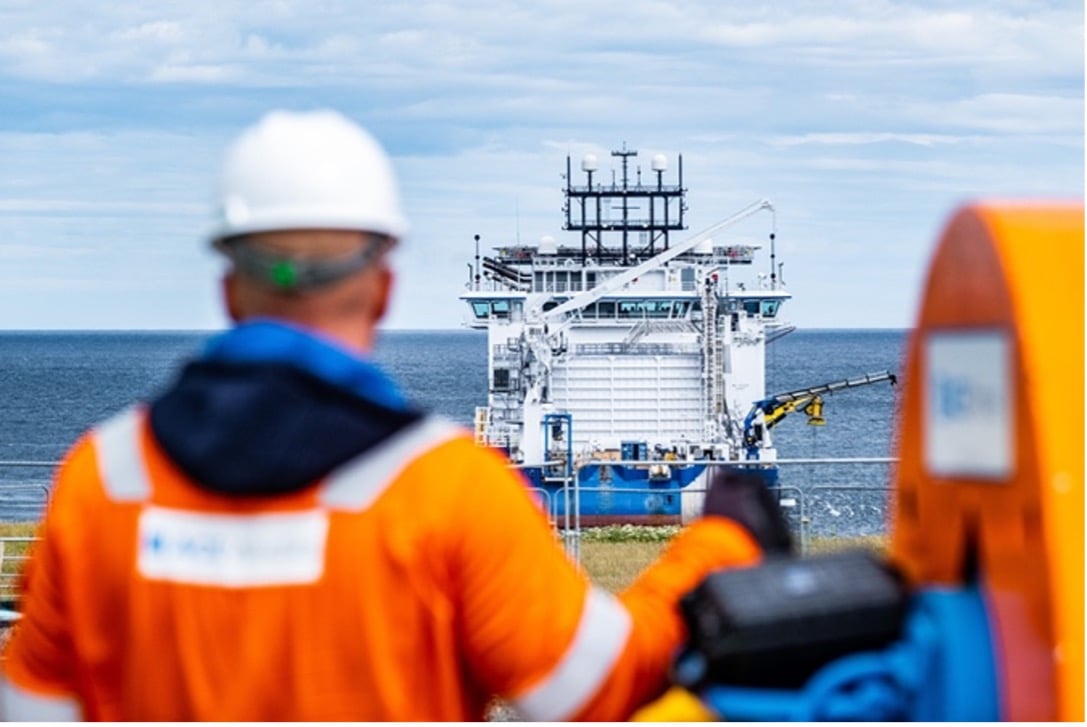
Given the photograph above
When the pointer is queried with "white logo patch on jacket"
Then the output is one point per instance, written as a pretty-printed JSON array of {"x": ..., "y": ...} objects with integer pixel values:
[{"x": 232, "y": 551}]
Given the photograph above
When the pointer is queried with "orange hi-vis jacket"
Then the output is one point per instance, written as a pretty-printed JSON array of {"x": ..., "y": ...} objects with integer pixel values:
[{"x": 413, "y": 583}]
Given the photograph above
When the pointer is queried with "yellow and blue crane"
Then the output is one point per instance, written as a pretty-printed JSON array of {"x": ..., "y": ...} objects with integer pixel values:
[{"x": 810, "y": 401}]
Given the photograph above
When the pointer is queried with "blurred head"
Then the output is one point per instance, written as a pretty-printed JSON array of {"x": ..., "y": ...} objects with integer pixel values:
[{"x": 308, "y": 210}]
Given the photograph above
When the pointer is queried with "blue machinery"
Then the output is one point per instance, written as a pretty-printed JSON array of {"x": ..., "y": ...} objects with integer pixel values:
[{"x": 919, "y": 673}]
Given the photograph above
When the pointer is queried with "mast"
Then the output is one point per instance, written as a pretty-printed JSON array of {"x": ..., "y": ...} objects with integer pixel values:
[{"x": 657, "y": 208}]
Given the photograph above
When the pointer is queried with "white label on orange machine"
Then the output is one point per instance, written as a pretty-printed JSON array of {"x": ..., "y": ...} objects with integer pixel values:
[{"x": 969, "y": 405}]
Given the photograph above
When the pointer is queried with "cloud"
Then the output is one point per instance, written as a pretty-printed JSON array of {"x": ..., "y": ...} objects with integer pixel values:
[
  {"x": 555, "y": 37},
  {"x": 865, "y": 137},
  {"x": 1013, "y": 113},
  {"x": 11, "y": 252},
  {"x": 865, "y": 120},
  {"x": 26, "y": 206},
  {"x": 182, "y": 72},
  {"x": 163, "y": 32}
]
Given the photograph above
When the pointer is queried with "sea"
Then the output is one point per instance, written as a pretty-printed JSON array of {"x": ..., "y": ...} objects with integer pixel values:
[{"x": 54, "y": 385}]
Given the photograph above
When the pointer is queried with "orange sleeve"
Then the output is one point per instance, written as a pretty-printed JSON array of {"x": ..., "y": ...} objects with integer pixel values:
[
  {"x": 640, "y": 675},
  {"x": 531, "y": 621},
  {"x": 39, "y": 656},
  {"x": 520, "y": 597}
]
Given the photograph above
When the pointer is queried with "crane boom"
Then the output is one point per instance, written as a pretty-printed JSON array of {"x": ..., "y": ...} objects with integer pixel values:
[
  {"x": 777, "y": 407},
  {"x": 873, "y": 378}
]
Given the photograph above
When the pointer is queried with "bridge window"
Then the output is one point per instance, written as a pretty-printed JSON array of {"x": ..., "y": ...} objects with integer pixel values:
[
  {"x": 553, "y": 303},
  {"x": 767, "y": 308},
  {"x": 658, "y": 308},
  {"x": 483, "y": 309},
  {"x": 650, "y": 308}
]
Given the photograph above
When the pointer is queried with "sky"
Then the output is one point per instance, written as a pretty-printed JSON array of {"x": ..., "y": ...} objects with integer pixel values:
[{"x": 865, "y": 122}]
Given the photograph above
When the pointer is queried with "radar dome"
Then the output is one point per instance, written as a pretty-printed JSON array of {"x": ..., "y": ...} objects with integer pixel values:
[
  {"x": 660, "y": 163},
  {"x": 547, "y": 246},
  {"x": 588, "y": 163}
]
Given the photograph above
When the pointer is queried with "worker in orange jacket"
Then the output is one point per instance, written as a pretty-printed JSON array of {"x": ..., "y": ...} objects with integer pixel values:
[{"x": 281, "y": 536}]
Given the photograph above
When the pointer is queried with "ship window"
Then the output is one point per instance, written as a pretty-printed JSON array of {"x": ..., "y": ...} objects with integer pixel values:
[
  {"x": 770, "y": 308},
  {"x": 481, "y": 308},
  {"x": 686, "y": 277},
  {"x": 606, "y": 309},
  {"x": 658, "y": 308},
  {"x": 589, "y": 311},
  {"x": 500, "y": 308},
  {"x": 680, "y": 309},
  {"x": 501, "y": 379},
  {"x": 590, "y": 280},
  {"x": 538, "y": 280},
  {"x": 751, "y": 307},
  {"x": 630, "y": 309},
  {"x": 554, "y": 303}
]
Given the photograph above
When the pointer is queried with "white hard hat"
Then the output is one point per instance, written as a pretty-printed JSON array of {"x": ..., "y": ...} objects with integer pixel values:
[{"x": 311, "y": 170}]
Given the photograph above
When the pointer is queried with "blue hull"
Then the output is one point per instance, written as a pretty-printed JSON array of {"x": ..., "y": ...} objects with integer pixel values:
[{"x": 622, "y": 493}]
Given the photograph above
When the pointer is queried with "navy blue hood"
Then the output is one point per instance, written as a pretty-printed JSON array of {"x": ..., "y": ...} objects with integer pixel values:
[{"x": 269, "y": 409}]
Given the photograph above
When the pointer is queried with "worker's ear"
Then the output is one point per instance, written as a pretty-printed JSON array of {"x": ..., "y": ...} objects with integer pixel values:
[
  {"x": 231, "y": 295},
  {"x": 383, "y": 288}
]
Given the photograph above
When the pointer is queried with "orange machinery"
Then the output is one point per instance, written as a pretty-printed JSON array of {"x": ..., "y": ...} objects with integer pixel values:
[
  {"x": 987, "y": 545},
  {"x": 990, "y": 472}
]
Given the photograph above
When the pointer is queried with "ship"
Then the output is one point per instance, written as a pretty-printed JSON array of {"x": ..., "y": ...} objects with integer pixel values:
[{"x": 624, "y": 364}]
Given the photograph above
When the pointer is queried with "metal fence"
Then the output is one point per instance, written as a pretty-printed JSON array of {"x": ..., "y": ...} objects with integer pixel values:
[
  {"x": 15, "y": 546},
  {"x": 822, "y": 498}
]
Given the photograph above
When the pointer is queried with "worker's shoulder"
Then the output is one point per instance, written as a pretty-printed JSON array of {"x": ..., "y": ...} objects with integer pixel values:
[
  {"x": 77, "y": 492},
  {"x": 445, "y": 457},
  {"x": 441, "y": 442},
  {"x": 432, "y": 433}
]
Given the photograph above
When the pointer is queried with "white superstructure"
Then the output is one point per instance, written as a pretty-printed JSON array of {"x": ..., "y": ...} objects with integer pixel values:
[{"x": 628, "y": 338}]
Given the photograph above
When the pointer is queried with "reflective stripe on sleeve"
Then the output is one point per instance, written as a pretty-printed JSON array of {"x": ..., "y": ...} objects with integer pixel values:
[
  {"x": 120, "y": 462},
  {"x": 600, "y": 639},
  {"x": 19, "y": 705},
  {"x": 356, "y": 484}
]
